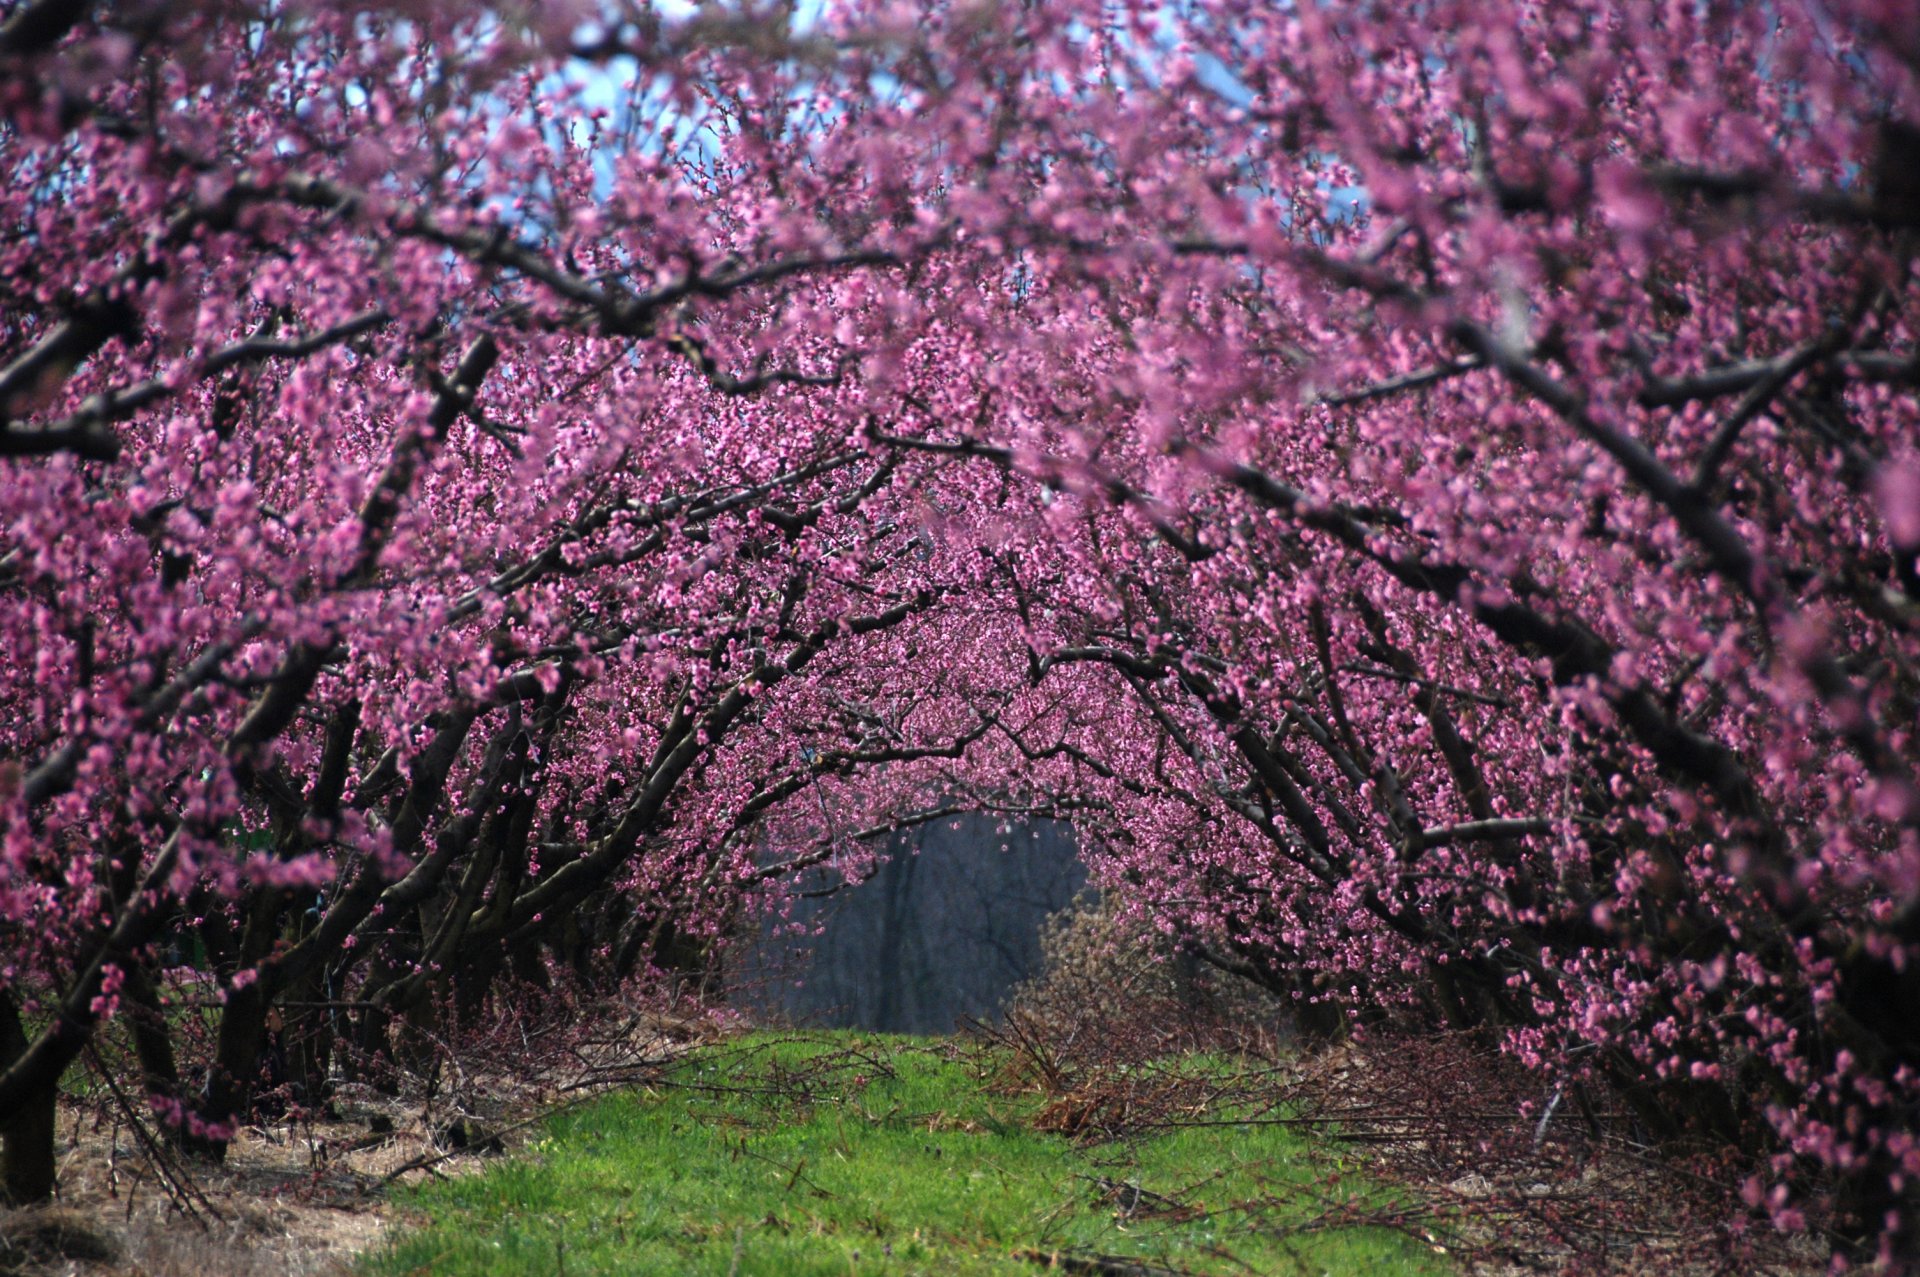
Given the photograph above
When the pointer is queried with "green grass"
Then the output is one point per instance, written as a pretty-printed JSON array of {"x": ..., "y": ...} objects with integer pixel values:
[{"x": 844, "y": 1155}]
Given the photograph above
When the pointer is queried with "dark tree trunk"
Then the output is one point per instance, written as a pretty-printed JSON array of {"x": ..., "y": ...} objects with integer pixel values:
[
  {"x": 243, "y": 1029},
  {"x": 26, "y": 1134},
  {"x": 236, "y": 1059},
  {"x": 152, "y": 1042}
]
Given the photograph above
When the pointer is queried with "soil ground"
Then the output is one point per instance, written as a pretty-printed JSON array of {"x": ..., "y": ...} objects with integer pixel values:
[{"x": 302, "y": 1198}]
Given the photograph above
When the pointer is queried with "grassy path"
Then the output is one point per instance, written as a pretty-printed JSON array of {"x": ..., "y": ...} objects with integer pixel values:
[{"x": 844, "y": 1155}]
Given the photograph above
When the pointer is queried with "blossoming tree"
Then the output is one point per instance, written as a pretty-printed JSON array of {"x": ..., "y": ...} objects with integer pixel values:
[{"x": 1433, "y": 489}]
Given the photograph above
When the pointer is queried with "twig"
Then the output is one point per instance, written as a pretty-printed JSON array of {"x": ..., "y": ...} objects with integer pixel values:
[
  {"x": 427, "y": 1161},
  {"x": 179, "y": 1185}
]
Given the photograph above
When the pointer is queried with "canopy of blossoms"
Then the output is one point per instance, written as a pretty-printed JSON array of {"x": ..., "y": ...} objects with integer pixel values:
[{"x": 1431, "y": 490}]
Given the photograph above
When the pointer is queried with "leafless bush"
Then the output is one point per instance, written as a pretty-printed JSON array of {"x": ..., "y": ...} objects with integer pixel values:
[{"x": 1111, "y": 988}]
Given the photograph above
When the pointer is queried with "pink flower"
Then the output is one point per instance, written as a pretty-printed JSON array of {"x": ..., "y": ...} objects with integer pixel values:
[
  {"x": 1897, "y": 486},
  {"x": 1626, "y": 198}
]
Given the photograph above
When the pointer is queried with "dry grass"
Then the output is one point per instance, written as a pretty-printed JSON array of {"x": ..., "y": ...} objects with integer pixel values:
[
  {"x": 1577, "y": 1192},
  {"x": 307, "y": 1197}
]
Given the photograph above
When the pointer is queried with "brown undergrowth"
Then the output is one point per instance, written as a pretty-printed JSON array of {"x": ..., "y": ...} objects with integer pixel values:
[
  {"x": 1506, "y": 1175},
  {"x": 1456, "y": 1133},
  {"x": 306, "y": 1193},
  {"x": 1526, "y": 1178}
]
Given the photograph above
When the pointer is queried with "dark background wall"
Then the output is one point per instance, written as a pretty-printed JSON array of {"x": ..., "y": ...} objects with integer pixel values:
[{"x": 945, "y": 928}]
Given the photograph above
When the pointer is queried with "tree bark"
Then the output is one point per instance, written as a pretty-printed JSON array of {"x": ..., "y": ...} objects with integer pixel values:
[{"x": 26, "y": 1133}]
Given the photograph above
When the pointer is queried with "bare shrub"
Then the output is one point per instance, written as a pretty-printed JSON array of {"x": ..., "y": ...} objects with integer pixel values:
[{"x": 1112, "y": 988}]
